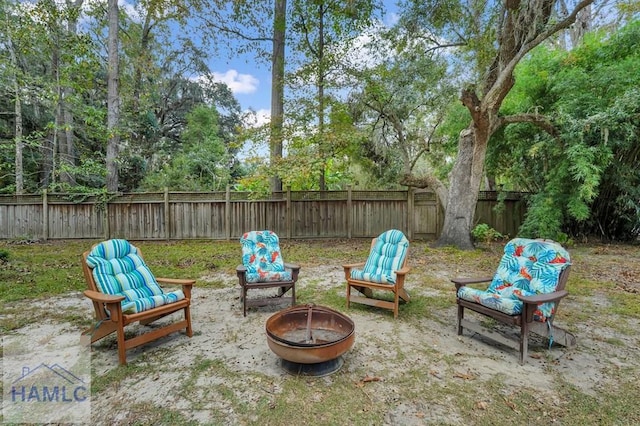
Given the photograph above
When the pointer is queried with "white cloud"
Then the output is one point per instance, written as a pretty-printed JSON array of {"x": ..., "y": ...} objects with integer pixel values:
[
  {"x": 257, "y": 118},
  {"x": 263, "y": 116},
  {"x": 238, "y": 83}
]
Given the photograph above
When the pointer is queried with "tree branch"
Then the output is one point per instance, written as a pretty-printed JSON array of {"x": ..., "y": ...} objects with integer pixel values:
[
  {"x": 427, "y": 181},
  {"x": 470, "y": 100},
  {"x": 500, "y": 88},
  {"x": 537, "y": 119},
  {"x": 236, "y": 32}
]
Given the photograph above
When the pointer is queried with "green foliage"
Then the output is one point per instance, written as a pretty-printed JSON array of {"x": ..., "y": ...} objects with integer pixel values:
[
  {"x": 402, "y": 103},
  {"x": 202, "y": 165},
  {"x": 586, "y": 177},
  {"x": 486, "y": 234},
  {"x": 4, "y": 255}
]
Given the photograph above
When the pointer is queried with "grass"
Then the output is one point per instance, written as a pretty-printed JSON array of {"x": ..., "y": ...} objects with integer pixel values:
[{"x": 600, "y": 286}]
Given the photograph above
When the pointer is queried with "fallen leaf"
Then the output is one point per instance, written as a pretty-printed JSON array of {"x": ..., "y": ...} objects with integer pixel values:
[
  {"x": 368, "y": 379},
  {"x": 511, "y": 405},
  {"x": 482, "y": 405},
  {"x": 464, "y": 376}
]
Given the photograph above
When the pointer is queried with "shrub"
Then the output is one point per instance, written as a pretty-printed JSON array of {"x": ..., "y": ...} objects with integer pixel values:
[{"x": 484, "y": 233}]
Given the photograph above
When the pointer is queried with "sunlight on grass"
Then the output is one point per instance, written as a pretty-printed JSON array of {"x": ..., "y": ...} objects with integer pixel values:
[
  {"x": 626, "y": 304},
  {"x": 419, "y": 383}
]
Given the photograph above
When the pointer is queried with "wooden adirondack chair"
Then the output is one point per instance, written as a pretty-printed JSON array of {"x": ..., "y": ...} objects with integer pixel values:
[
  {"x": 525, "y": 292},
  {"x": 384, "y": 270},
  {"x": 124, "y": 291},
  {"x": 263, "y": 267}
]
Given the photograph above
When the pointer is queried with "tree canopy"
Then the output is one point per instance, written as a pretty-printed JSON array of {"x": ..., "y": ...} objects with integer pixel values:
[{"x": 458, "y": 96}]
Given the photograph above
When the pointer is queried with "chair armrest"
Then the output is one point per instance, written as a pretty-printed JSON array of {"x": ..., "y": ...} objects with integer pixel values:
[
  {"x": 461, "y": 282},
  {"x": 96, "y": 296},
  {"x": 185, "y": 283},
  {"x": 292, "y": 266},
  {"x": 295, "y": 270},
  {"x": 348, "y": 267},
  {"x": 111, "y": 303},
  {"x": 176, "y": 281},
  {"x": 543, "y": 298},
  {"x": 403, "y": 271}
]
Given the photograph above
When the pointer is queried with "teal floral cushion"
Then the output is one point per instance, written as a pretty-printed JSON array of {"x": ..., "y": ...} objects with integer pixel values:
[
  {"x": 118, "y": 270},
  {"x": 386, "y": 256},
  {"x": 262, "y": 258},
  {"x": 527, "y": 268}
]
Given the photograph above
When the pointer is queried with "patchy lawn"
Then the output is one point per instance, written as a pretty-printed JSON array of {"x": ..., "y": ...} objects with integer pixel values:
[{"x": 411, "y": 371}]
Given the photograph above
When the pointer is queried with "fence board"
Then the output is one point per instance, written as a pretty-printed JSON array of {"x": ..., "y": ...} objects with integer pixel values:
[{"x": 223, "y": 215}]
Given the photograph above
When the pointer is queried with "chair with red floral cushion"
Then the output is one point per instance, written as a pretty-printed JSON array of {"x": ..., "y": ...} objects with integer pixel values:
[
  {"x": 263, "y": 267},
  {"x": 525, "y": 292}
]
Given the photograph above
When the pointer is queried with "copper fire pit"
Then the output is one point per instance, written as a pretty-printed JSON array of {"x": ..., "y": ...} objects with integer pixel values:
[{"x": 310, "y": 339}]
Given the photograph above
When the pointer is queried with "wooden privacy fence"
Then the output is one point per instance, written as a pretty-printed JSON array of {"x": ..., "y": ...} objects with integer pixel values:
[{"x": 227, "y": 215}]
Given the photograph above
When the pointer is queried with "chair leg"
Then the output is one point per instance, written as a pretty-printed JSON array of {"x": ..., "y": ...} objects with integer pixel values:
[
  {"x": 187, "y": 316},
  {"x": 122, "y": 352},
  {"x": 524, "y": 341},
  {"x": 460, "y": 318},
  {"x": 293, "y": 294},
  {"x": 243, "y": 299},
  {"x": 348, "y": 295},
  {"x": 396, "y": 302}
]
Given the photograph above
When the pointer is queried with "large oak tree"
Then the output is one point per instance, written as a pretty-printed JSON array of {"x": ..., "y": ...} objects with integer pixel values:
[{"x": 496, "y": 35}]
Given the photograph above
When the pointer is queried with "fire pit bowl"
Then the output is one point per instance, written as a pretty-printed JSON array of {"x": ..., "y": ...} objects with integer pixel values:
[{"x": 309, "y": 334}]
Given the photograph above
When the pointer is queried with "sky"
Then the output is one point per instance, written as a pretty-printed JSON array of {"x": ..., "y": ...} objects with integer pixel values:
[{"x": 250, "y": 80}]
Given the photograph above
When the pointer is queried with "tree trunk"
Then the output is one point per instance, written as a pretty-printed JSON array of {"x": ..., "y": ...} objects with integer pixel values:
[
  {"x": 277, "y": 88},
  {"x": 525, "y": 25},
  {"x": 18, "y": 117},
  {"x": 465, "y": 179},
  {"x": 113, "y": 101},
  {"x": 322, "y": 185},
  {"x": 66, "y": 135}
]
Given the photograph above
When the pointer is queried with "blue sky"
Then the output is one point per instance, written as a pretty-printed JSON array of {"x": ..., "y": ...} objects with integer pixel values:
[{"x": 250, "y": 80}]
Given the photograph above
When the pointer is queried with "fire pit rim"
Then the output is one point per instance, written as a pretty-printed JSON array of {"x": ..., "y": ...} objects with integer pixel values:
[{"x": 302, "y": 308}]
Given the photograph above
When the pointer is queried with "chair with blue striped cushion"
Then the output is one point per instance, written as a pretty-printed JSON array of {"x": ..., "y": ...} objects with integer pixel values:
[
  {"x": 525, "y": 291},
  {"x": 385, "y": 270},
  {"x": 263, "y": 267},
  {"x": 123, "y": 291}
]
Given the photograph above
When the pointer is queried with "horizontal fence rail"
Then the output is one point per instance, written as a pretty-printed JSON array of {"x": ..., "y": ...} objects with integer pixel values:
[{"x": 227, "y": 215}]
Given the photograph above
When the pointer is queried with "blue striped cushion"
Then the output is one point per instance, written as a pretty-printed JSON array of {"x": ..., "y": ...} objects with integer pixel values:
[
  {"x": 386, "y": 256},
  {"x": 118, "y": 270}
]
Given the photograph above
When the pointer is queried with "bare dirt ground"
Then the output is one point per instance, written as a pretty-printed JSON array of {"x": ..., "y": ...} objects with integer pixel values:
[{"x": 167, "y": 372}]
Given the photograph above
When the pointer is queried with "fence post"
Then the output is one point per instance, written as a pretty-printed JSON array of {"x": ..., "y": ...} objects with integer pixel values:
[
  {"x": 227, "y": 213},
  {"x": 167, "y": 215},
  {"x": 45, "y": 216},
  {"x": 349, "y": 206}
]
